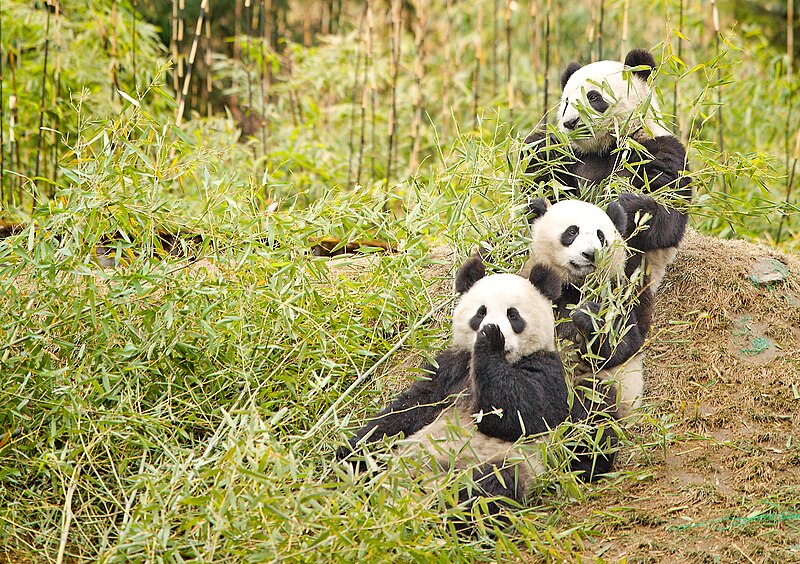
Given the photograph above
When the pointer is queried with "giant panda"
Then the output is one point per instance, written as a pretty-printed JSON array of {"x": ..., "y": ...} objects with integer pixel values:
[
  {"x": 611, "y": 119},
  {"x": 501, "y": 379},
  {"x": 583, "y": 245}
]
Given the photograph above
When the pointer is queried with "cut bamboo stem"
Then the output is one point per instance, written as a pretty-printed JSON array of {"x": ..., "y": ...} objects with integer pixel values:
[
  {"x": 185, "y": 91},
  {"x": 34, "y": 189}
]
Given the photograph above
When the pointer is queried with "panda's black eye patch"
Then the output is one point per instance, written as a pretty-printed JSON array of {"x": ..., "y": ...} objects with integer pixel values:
[
  {"x": 477, "y": 319},
  {"x": 596, "y": 101},
  {"x": 569, "y": 235},
  {"x": 601, "y": 237},
  {"x": 517, "y": 323}
]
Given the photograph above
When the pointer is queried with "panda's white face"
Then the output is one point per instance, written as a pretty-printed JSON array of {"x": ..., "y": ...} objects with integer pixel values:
[
  {"x": 601, "y": 102},
  {"x": 574, "y": 238},
  {"x": 523, "y": 314}
]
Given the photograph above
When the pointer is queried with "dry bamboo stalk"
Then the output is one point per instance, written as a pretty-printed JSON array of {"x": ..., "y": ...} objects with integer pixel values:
[
  {"x": 535, "y": 33},
  {"x": 364, "y": 89},
  {"x": 599, "y": 30},
  {"x": 715, "y": 19},
  {"x": 495, "y": 34},
  {"x": 676, "y": 122},
  {"x": 421, "y": 30},
  {"x": 262, "y": 26},
  {"x": 193, "y": 53},
  {"x": 173, "y": 47},
  {"x": 624, "y": 41},
  {"x": 181, "y": 25},
  {"x": 3, "y": 199},
  {"x": 307, "y": 27},
  {"x": 54, "y": 137},
  {"x": 789, "y": 39},
  {"x": 446, "y": 70},
  {"x": 14, "y": 147},
  {"x": 113, "y": 50},
  {"x": 476, "y": 78},
  {"x": 207, "y": 60},
  {"x": 356, "y": 75},
  {"x": 509, "y": 77},
  {"x": 134, "y": 6},
  {"x": 237, "y": 29},
  {"x": 34, "y": 190},
  {"x": 547, "y": 58},
  {"x": 395, "y": 60},
  {"x": 247, "y": 61}
]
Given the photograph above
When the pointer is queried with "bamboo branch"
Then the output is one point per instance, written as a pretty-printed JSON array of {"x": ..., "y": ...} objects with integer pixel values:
[{"x": 184, "y": 93}]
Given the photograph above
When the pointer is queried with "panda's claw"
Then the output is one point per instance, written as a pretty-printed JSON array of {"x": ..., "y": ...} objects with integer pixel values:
[{"x": 490, "y": 338}]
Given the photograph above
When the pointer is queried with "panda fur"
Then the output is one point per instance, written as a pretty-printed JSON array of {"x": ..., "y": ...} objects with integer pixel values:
[
  {"x": 602, "y": 105},
  {"x": 575, "y": 239},
  {"x": 501, "y": 379}
]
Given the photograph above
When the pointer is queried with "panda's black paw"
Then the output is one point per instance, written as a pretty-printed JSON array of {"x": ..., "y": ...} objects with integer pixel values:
[
  {"x": 583, "y": 317},
  {"x": 490, "y": 338},
  {"x": 347, "y": 453},
  {"x": 636, "y": 202}
]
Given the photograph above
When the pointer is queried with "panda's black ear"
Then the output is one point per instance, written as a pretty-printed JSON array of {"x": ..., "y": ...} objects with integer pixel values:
[
  {"x": 618, "y": 217},
  {"x": 568, "y": 72},
  {"x": 536, "y": 209},
  {"x": 546, "y": 281},
  {"x": 640, "y": 57},
  {"x": 469, "y": 273}
]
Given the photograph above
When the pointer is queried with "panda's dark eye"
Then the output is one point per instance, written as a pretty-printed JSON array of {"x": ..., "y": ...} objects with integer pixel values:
[
  {"x": 601, "y": 236},
  {"x": 593, "y": 96},
  {"x": 515, "y": 319},
  {"x": 569, "y": 234},
  {"x": 477, "y": 319},
  {"x": 596, "y": 101}
]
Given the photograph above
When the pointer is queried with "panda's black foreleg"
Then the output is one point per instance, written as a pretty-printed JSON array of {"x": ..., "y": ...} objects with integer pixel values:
[
  {"x": 528, "y": 400},
  {"x": 549, "y": 159},
  {"x": 495, "y": 482},
  {"x": 418, "y": 405},
  {"x": 664, "y": 228},
  {"x": 594, "y": 453},
  {"x": 630, "y": 336}
]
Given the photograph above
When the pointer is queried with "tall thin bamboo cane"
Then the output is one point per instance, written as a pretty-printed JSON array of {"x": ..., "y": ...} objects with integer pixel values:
[
  {"x": 356, "y": 76},
  {"x": 476, "y": 78},
  {"x": 715, "y": 19},
  {"x": 419, "y": 74},
  {"x": 446, "y": 69},
  {"x": 676, "y": 121},
  {"x": 187, "y": 78},
  {"x": 395, "y": 59},
  {"x": 364, "y": 89},
  {"x": 3, "y": 199},
  {"x": 34, "y": 190},
  {"x": 792, "y": 92},
  {"x": 600, "y": 30},
  {"x": 624, "y": 40},
  {"x": 134, "y": 7},
  {"x": 547, "y": 58},
  {"x": 509, "y": 77}
]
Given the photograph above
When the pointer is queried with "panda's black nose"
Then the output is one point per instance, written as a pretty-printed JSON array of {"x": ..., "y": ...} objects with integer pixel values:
[
  {"x": 571, "y": 124},
  {"x": 588, "y": 255}
]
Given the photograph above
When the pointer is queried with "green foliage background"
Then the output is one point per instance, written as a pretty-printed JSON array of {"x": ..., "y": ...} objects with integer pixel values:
[{"x": 187, "y": 407}]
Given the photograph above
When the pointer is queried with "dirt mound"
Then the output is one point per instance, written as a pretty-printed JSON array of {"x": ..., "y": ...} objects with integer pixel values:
[{"x": 723, "y": 380}]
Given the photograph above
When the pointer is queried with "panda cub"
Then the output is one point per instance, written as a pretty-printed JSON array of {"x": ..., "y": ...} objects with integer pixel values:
[
  {"x": 576, "y": 240},
  {"x": 603, "y": 105},
  {"x": 500, "y": 379}
]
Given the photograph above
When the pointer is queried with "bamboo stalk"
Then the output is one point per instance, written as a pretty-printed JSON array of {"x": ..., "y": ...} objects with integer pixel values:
[
  {"x": 495, "y": 34},
  {"x": 364, "y": 89},
  {"x": 599, "y": 30},
  {"x": 535, "y": 33},
  {"x": 173, "y": 48},
  {"x": 715, "y": 19},
  {"x": 547, "y": 58},
  {"x": 419, "y": 74},
  {"x": 792, "y": 92},
  {"x": 3, "y": 199},
  {"x": 185, "y": 91},
  {"x": 57, "y": 85},
  {"x": 395, "y": 60},
  {"x": 14, "y": 148},
  {"x": 676, "y": 124},
  {"x": 207, "y": 60},
  {"x": 624, "y": 41},
  {"x": 134, "y": 6},
  {"x": 476, "y": 78},
  {"x": 113, "y": 50},
  {"x": 356, "y": 75},
  {"x": 509, "y": 77},
  {"x": 789, "y": 39},
  {"x": 34, "y": 190},
  {"x": 446, "y": 69}
]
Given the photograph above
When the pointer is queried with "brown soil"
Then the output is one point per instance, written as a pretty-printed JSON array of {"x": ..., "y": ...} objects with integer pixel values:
[{"x": 723, "y": 380}]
